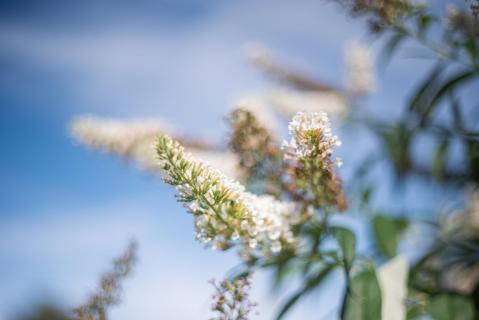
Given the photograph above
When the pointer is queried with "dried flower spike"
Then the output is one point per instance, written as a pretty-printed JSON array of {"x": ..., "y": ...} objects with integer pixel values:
[
  {"x": 231, "y": 299},
  {"x": 109, "y": 291},
  {"x": 257, "y": 150}
]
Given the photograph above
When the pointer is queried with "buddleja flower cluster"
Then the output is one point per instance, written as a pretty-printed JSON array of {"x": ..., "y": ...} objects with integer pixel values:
[
  {"x": 225, "y": 214},
  {"x": 311, "y": 136},
  {"x": 310, "y": 153}
]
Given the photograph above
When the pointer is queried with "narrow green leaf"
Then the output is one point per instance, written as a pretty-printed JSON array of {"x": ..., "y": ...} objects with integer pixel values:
[
  {"x": 424, "y": 87},
  {"x": 423, "y": 23},
  {"x": 415, "y": 312},
  {"x": 387, "y": 231},
  {"x": 439, "y": 160},
  {"x": 456, "y": 113},
  {"x": 390, "y": 47},
  {"x": 347, "y": 242},
  {"x": 448, "y": 86},
  {"x": 471, "y": 49},
  {"x": 366, "y": 194},
  {"x": 308, "y": 286},
  {"x": 363, "y": 299},
  {"x": 451, "y": 307}
]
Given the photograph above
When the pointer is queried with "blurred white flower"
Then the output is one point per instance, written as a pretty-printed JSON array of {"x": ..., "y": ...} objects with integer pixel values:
[
  {"x": 116, "y": 136},
  {"x": 360, "y": 67},
  {"x": 290, "y": 102},
  {"x": 135, "y": 139}
]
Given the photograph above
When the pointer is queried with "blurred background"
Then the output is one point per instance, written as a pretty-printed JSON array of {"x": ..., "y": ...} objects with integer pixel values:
[{"x": 65, "y": 212}]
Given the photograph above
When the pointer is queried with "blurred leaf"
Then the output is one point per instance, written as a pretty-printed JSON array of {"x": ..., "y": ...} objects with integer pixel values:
[
  {"x": 363, "y": 298},
  {"x": 423, "y": 23},
  {"x": 397, "y": 141},
  {"x": 367, "y": 164},
  {"x": 415, "y": 312},
  {"x": 424, "y": 87},
  {"x": 283, "y": 270},
  {"x": 347, "y": 243},
  {"x": 439, "y": 161},
  {"x": 366, "y": 193},
  {"x": 473, "y": 157},
  {"x": 314, "y": 229},
  {"x": 449, "y": 85},
  {"x": 308, "y": 286},
  {"x": 456, "y": 113},
  {"x": 45, "y": 311},
  {"x": 471, "y": 49},
  {"x": 450, "y": 307},
  {"x": 387, "y": 231},
  {"x": 391, "y": 46}
]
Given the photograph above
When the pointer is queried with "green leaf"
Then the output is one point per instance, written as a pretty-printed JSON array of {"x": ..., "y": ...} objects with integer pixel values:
[
  {"x": 415, "y": 312},
  {"x": 309, "y": 285},
  {"x": 456, "y": 113},
  {"x": 423, "y": 23},
  {"x": 439, "y": 161},
  {"x": 363, "y": 298},
  {"x": 391, "y": 46},
  {"x": 472, "y": 146},
  {"x": 387, "y": 231},
  {"x": 446, "y": 87},
  {"x": 397, "y": 140},
  {"x": 423, "y": 89},
  {"x": 347, "y": 243},
  {"x": 471, "y": 49},
  {"x": 283, "y": 270},
  {"x": 451, "y": 307},
  {"x": 366, "y": 193}
]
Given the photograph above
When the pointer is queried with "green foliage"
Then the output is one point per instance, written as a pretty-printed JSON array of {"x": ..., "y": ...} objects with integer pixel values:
[
  {"x": 311, "y": 283},
  {"x": 439, "y": 161},
  {"x": 45, "y": 311},
  {"x": 347, "y": 242},
  {"x": 363, "y": 297},
  {"x": 450, "y": 307},
  {"x": 387, "y": 231}
]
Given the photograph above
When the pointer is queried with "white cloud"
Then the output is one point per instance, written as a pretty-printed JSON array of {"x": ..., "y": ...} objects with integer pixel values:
[{"x": 145, "y": 69}]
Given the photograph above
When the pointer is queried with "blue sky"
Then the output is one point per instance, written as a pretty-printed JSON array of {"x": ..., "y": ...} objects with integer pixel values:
[{"x": 66, "y": 211}]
